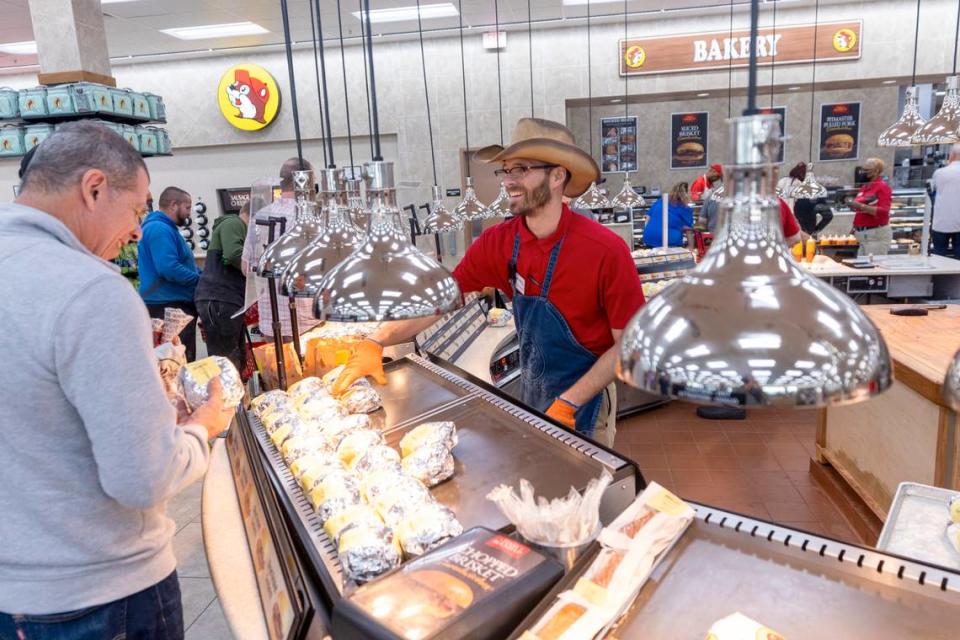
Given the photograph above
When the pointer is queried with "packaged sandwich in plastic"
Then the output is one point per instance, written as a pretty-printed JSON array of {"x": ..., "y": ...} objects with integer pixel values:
[
  {"x": 317, "y": 406},
  {"x": 429, "y": 526},
  {"x": 376, "y": 458},
  {"x": 269, "y": 401},
  {"x": 570, "y": 618},
  {"x": 366, "y": 552},
  {"x": 311, "y": 469},
  {"x": 361, "y": 400},
  {"x": 655, "y": 518},
  {"x": 431, "y": 465},
  {"x": 305, "y": 387},
  {"x": 336, "y": 429},
  {"x": 195, "y": 376},
  {"x": 739, "y": 627},
  {"x": 402, "y": 500},
  {"x": 360, "y": 515},
  {"x": 337, "y": 491},
  {"x": 356, "y": 443},
  {"x": 302, "y": 446},
  {"x": 429, "y": 433}
]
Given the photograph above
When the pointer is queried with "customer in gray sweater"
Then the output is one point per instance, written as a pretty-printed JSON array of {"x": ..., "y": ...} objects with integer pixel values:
[{"x": 90, "y": 447}]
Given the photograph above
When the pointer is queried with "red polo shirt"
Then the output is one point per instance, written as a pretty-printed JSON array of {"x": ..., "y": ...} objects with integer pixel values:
[
  {"x": 881, "y": 191},
  {"x": 595, "y": 285},
  {"x": 787, "y": 220}
]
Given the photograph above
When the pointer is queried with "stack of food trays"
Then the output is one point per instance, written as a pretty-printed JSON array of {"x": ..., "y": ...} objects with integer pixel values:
[
  {"x": 374, "y": 503},
  {"x": 663, "y": 264}
]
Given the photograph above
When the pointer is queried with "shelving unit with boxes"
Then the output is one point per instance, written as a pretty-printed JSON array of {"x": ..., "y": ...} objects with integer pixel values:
[{"x": 29, "y": 116}]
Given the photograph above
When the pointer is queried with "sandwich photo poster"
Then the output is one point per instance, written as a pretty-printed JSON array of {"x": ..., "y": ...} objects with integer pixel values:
[
  {"x": 618, "y": 144},
  {"x": 688, "y": 140},
  {"x": 839, "y": 131}
]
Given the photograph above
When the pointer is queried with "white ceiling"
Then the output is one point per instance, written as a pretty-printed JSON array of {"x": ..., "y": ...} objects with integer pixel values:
[{"x": 133, "y": 27}]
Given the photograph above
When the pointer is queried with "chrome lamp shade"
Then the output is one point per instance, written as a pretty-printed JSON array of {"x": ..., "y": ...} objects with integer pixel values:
[
  {"x": 592, "y": 198},
  {"x": 750, "y": 326},
  {"x": 943, "y": 128},
  {"x": 470, "y": 208},
  {"x": 307, "y": 226},
  {"x": 385, "y": 278},
  {"x": 951, "y": 384},
  {"x": 809, "y": 189},
  {"x": 627, "y": 198},
  {"x": 441, "y": 219},
  {"x": 902, "y": 132},
  {"x": 500, "y": 208}
]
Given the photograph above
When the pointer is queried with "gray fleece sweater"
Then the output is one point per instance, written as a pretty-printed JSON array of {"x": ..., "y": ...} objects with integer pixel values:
[{"x": 90, "y": 451}]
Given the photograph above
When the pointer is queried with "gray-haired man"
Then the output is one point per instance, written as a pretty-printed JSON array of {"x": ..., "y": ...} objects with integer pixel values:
[{"x": 91, "y": 448}]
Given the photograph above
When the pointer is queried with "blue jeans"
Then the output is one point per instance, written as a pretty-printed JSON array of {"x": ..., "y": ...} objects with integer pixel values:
[
  {"x": 155, "y": 613},
  {"x": 946, "y": 244}
]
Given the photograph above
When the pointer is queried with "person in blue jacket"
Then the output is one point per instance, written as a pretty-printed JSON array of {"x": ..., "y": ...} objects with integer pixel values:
[
  {"x": 679, "y": 217},
  {"x": 168, "y": 272}
]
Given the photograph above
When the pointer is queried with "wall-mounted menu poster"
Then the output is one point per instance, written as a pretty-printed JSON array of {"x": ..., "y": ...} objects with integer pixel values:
[{"x": 618, "y": 144}]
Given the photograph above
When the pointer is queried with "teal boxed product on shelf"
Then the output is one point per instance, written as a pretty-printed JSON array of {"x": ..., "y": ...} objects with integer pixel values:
[
  {"x": 33, "y": 103},
  {"x": 9, "y": 106},
  {"x": 89, "y": 97},
  {"x": 148, "y": 140},
  {"x": 158, "y": 111},
  {"x": 122, "y": 104},
  {"x": 116, "y": 127},
  {"x": 163, "y": 142},
  {"x": 11, "y": 141},
  {"x": 131, "y": 135},
  {"x": 141, "y": 108},
  {"x": 60, "y": 101},
  {"x": 34, "y": 134}
]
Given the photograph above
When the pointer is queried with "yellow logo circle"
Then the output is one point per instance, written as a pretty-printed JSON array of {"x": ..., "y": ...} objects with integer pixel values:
[
  {"x": 844, "y": 40},
  {"x": 635, "y": 56},
  {"x": 248, "y": 96}
]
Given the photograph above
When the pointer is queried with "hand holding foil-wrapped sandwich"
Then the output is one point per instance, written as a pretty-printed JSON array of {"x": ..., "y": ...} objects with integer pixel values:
[{"x": 212, "y": 390}]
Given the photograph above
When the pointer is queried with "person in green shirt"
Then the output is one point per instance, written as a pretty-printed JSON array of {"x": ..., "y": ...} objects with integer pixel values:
[{"x": 219, "y": 294}]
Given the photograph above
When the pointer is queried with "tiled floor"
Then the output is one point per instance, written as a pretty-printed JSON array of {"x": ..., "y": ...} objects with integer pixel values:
[
  {"x": 758, "y": 466},
  {"x": 202, "y": 617}
]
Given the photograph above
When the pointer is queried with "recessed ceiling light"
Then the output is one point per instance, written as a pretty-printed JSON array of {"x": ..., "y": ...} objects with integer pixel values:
[
  {"x": 399, "y": 14},
  {"x": 703, "y": 95},
  {"x": 21, "y": 48},
  {"x": 889, "y": 82},
  {"x": 793, "y": 89},
  {"x": 216, "y": 31}
]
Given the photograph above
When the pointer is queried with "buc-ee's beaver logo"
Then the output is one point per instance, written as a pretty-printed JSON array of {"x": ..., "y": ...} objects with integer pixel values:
[
  {"x": 635, "y": 56},
  {"x": 844, "y": 40},
  {"x": 249, "y": 97}
]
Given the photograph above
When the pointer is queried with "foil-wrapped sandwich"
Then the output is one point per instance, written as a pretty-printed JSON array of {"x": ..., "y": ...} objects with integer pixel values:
[
  {"x": 306, "y": 386},
  {"x": 366, "y": 552},
  {"x": 360, "y": 515},
  {"x": 194, "y": 377},
  {"x": 270, "y": 400},
  {"x": 317, "y": 406},
  {"x": 337, "y": 491},
  {"x": 276, "y": 416},
  {"x": 330, "y": 379},
  {"x": 362, "y": 399},
  {"x": 356, "y": 443},
  {"x": 310, "y": 470},
  {"x": 297, "y": 447},
  {"x": 427, "y": 527},
  {"x": 401, "y": 500},
  {"x": 336, "y": 429},
  {"x": 376, "y": 458},
  {"x": 427, "y": 434},
  {"x": 430, "y": 465},
  {"x": 374, "y": 484},
  {"x": 287, "y": 426}
]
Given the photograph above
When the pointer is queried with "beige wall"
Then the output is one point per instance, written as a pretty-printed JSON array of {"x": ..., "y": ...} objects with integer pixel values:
[{"x": 210, "y": 153}]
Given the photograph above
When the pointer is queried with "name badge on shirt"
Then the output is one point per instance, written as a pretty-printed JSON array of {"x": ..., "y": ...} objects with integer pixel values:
[{"x": 519, "y": 285}]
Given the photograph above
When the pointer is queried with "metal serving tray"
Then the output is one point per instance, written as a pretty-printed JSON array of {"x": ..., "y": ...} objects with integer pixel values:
[
  {"x": 800, "y": 584},
  {"x": 499, "y": 442},
  {"x": 917, "y": 524}
]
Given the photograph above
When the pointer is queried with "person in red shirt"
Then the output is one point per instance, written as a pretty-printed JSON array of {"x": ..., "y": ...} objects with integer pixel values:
[
  {"x": 871, "y": 224},
  {"x": 573, "y": 282},
  {"x": 792, "y": 233},
  {"x": 707, "y": 181}
]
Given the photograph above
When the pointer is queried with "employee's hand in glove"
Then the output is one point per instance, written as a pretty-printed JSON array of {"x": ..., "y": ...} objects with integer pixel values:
[
  {"x": 213, "y": 414},
  {"x": 366, "y": 360},
  {"x": 562, "y": 411}
]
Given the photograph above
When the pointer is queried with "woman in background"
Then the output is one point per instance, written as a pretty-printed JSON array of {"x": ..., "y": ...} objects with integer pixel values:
[{"x": 679, "y": 218}]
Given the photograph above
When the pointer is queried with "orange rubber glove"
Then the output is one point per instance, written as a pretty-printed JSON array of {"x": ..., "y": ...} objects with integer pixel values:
[
  {"x": 562, "y": 411},
  {"x": 367, "y": 360}
]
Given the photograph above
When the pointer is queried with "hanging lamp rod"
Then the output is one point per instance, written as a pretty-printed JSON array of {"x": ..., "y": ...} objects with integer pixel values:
[
  {"x": 316, "y": 71},
  {"x": 327, "y": 140},
  {"x": 813, "y": 78},
  {"x": 285, "y": 16},
  {"x": 463, "y": 79},
  {"x": 346, "y": 93},
  {"x": 496, "y": 19},
  {"x": 377, "y": 156},
  {"x": 426, "y": 99}
]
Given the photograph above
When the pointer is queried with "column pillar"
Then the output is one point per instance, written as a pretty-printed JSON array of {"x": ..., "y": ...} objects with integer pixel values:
[{"x": 71, "y": 41}]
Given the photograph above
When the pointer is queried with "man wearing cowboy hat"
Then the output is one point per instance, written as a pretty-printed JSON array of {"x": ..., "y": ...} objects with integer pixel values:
[{"x": 573, "y": 282}]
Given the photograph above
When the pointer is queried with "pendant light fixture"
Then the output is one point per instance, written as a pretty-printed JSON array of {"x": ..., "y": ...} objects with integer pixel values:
[
  {"x": 500, "y": 207},
  {"x": 944, "y": 128},
  {"x": 901, "y": 133},
  {"x": 951, "y": 384},
  {"x": 810, "y": 188},
  {"x": 627, "y": 198},
  {"x": 439, "y": 218},
  {"x": 385, "y": 278},
  {"x": 470, "y": 208},
  {"x": 750, "y": 326},
  {"x": 718, "y": 193},
  {"x": 593, "y": 197}
]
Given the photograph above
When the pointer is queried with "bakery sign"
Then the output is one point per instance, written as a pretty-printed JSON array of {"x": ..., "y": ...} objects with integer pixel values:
[{"x": 788, "y": 44}]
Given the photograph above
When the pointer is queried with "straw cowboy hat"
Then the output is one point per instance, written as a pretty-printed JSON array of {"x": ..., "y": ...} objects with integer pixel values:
[{"x": 551, "y": 143}]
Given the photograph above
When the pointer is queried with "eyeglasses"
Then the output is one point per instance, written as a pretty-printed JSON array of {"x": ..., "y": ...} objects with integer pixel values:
[{"x": 519, "y": 173}]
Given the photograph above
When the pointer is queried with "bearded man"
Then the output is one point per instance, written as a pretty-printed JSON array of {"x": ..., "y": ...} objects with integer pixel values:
[{"x": 573, "y": 283}]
